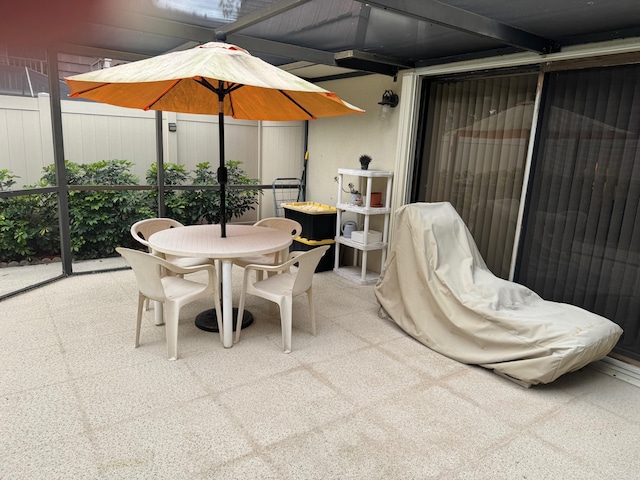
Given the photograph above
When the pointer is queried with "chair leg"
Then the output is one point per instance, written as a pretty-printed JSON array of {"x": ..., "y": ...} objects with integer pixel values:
[
  {"x": 216, "y": 304},
  {"x": 172, "y": 313},
  {"x": 286, "y": 314},
  {"x": 158, "y": 312},
  {"x": 243, "y": 297},
  {"x": 141, "y": 301},
  {"x": 312, "y": 311}
]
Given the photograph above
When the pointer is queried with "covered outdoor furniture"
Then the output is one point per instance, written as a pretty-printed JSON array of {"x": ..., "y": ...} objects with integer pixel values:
[
  {"x": 282, "y": 286},
  {"x": 436, "y": 287},
  {"x": 171, "y": 290}
]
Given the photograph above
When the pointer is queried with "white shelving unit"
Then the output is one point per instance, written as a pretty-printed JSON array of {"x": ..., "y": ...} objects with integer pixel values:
[{"x": 355, "y": 273}]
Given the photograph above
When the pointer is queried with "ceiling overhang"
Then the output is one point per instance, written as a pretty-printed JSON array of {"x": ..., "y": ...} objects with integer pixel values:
[
  {"x": 467, "y": 22},
  {"x": 385, "y": 49}
]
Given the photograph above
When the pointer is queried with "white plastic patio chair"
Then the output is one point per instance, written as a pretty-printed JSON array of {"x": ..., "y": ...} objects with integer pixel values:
[
  {"x": 142, "y": 230},
  {"x": 284, "y": 224},
  {"x": 282, "y": 286},
  {"x": 172, "y": 291}
]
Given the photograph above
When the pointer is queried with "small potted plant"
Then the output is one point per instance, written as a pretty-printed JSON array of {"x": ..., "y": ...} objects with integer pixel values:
[
  {"x": 356, "y": 196},
  {"x": 365, "y": 160}
]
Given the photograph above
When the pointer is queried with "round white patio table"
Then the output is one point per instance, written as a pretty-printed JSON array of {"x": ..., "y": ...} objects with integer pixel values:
[{"x": 205, "y": 241}]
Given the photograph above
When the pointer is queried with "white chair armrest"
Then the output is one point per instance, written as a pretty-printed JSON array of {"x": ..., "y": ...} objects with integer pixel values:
[
  {"x": 184, "y": 270},
  {"x": 270, "y": 268}
]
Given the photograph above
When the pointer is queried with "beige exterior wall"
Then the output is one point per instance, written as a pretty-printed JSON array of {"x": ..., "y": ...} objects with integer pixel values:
[{"x": 338, "y": 142}]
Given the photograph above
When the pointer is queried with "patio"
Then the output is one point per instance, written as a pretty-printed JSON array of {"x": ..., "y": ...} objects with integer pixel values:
[{"x": 360, "y": 400}]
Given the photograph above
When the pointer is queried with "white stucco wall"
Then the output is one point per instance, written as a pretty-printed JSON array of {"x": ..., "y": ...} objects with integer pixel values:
[{"x": 338, "y": 142}]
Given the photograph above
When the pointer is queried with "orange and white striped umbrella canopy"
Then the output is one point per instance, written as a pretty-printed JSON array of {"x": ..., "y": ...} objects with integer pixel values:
[{"x": 188, "y": 81}]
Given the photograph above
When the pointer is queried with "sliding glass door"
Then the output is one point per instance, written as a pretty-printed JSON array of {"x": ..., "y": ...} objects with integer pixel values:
[
  {"x": 581, "y": 241},
  {"x": 580, "y": 238},
  {"x": 476, "y": 135}
]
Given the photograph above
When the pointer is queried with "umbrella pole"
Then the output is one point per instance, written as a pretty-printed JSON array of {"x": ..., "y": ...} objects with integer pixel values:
[{"x": 222, "y": 170}]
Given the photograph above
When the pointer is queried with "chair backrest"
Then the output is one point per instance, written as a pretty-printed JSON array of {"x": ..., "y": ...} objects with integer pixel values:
[
  {"x": 307, "y": 263},
  {"x": 147, "y": 269},
  {"x": 284, "y": 224},
  {"x": 142, "y": 230}
]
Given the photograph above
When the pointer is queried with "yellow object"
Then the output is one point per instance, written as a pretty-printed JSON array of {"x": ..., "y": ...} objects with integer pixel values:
[
  {"x": 312, "y": 208},
  {"x": 315, "y": 243}
]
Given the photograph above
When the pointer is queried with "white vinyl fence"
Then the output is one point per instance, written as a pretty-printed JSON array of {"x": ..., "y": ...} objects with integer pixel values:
[{"x": 94, "y": 131}]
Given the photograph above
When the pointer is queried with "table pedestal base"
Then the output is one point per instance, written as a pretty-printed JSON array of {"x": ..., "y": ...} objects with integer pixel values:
[{"x": 208, "y": 320}]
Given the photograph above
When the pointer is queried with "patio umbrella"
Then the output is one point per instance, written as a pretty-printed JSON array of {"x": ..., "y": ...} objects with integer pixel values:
[{"x": 214, "y": 78}]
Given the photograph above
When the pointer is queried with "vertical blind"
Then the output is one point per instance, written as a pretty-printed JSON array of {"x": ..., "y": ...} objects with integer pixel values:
[
  {"x": 582, "y": 230},
  {"x": 477, "y": 136}
]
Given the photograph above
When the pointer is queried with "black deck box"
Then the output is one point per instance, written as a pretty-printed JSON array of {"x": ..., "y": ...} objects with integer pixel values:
[
  {"x": 327, "y": 260},
  {"x": 318, "y": 221}
]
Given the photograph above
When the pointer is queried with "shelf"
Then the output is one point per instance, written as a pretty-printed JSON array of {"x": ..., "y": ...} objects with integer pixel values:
[
  {"x": 347, "y": 207},
  {"x": 354, "y": 274},
  {"x": 360, "y": 246},
  {"x": 356, "y": 172}
]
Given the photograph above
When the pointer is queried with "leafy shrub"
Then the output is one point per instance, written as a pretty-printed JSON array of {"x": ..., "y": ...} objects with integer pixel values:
[
  {"x": 100, "y": 219},
  {"x": 203, "y": 206},
  {"x": 7, "y": 179},
  {"x": 174, "y": 201},
  {"x": 28, "y": 227}
]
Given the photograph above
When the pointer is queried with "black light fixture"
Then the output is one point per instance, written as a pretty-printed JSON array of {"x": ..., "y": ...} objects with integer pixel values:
[{"x": 389, "y": 99}]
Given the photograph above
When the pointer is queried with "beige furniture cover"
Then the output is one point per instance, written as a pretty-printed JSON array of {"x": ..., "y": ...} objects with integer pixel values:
[{"x": 436, "y": 287}]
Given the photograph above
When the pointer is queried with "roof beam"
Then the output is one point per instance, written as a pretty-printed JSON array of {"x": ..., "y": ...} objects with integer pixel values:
[
  {"x": 353, "y": 59},
  {"x": 159, "y": 26},
  {"x": 86, "y": 51},
  {"x": 261, "y": 15},
  {"x": 465, "y": 21},
  {"x": 282, "y": 50},
  {"x": 155, "y": 25}
]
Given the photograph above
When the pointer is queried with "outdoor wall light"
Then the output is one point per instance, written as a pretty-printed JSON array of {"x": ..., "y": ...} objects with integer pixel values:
[
  {"x": 173, "y": 127},
  {"x": 389, "y": 100}
]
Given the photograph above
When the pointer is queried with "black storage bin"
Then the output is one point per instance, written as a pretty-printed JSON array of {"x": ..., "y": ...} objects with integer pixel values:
[
  {"x": 318, "y": 221},
  {"x": 327, "y": 260}
]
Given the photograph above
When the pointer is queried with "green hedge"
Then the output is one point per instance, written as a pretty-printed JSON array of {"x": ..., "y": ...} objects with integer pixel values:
[{"x": 100, "y": 220}]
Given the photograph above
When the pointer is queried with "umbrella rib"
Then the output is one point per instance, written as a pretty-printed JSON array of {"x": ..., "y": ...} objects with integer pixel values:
[
  {"x": 297, "y": 104},
  {"x": 234, "y": 86},
  {"x": 148, "y": 107},
  {"x": 80, "y": 92},
  {"x": 221, "y": 92}
]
